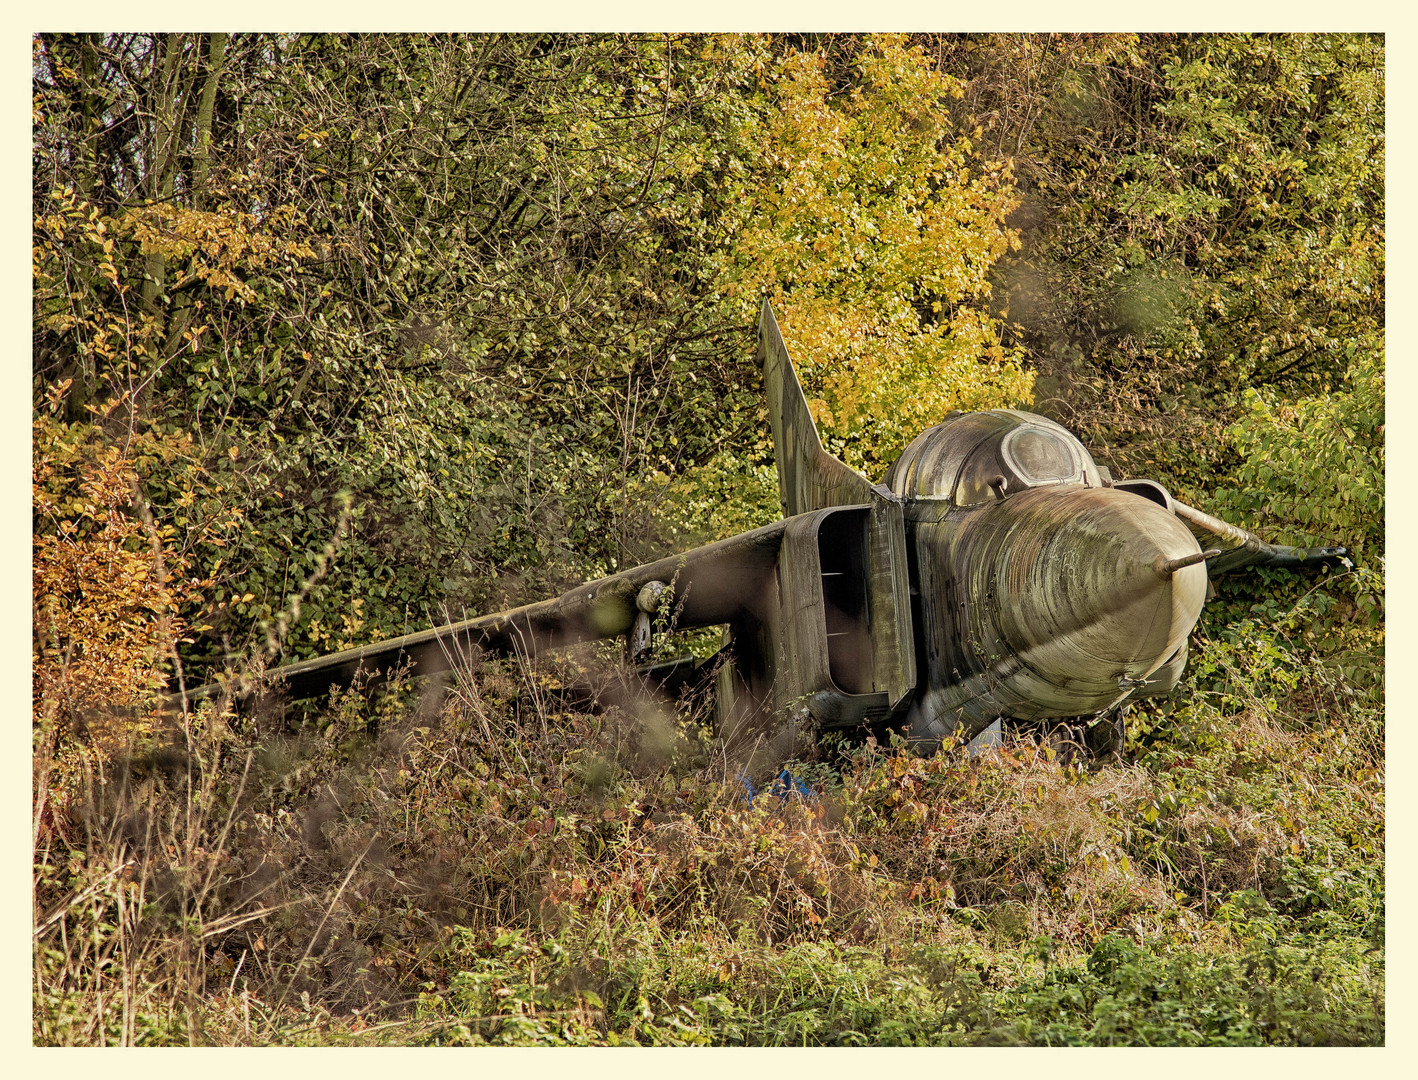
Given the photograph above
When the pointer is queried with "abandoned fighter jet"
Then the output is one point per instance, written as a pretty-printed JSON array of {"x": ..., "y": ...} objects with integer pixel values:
[{"x": 995, "y": 574}]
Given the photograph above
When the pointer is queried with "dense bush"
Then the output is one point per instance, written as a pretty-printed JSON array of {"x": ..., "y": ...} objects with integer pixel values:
[{"x": 531, "y": 864}]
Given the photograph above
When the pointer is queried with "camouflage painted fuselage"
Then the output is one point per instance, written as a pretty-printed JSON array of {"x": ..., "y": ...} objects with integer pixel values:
[{"x": 1043, "y": 591}]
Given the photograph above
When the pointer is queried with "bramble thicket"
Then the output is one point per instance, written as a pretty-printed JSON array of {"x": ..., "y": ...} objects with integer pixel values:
[{"x": 336, "y": 337}]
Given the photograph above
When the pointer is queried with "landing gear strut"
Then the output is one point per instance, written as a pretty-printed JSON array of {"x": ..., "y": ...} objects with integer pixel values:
[{"x": 1079, "y": 740}]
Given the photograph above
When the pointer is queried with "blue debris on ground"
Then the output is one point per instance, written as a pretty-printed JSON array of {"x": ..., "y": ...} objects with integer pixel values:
[
  {"x": 749, "y": 792},
  {"x": 785, "y": 787}
]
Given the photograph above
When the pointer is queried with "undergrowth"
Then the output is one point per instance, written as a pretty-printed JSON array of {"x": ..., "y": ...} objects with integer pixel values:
[{"x": 523, "y": 859}]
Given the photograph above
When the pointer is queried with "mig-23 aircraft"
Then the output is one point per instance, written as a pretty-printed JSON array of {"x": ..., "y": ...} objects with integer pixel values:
[{"x": 995, "y": 575}]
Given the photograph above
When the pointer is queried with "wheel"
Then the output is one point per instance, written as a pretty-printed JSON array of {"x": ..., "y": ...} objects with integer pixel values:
[{"x": 1108, "y": 735}]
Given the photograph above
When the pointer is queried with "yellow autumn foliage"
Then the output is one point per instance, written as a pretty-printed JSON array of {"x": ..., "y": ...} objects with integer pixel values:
[
  {"x": 214, "y": 246},
  {"x": 106, "y": 597},
  {"x": 872, "y": 229}
]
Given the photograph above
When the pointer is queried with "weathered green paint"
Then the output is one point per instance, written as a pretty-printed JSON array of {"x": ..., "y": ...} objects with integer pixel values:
[
  {"x": 1241, "y": 549},
  {"x": 1048, "y": 603},
  {"x": 845, "y": 612},
  {"x": 711, "y": 585}
]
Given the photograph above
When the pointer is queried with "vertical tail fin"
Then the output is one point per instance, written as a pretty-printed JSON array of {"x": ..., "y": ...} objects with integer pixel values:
[{"x": 809, "y": 478}]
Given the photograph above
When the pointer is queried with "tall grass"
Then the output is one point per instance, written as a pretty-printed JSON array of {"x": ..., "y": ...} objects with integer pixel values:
[{"x": 529, "y": 857}]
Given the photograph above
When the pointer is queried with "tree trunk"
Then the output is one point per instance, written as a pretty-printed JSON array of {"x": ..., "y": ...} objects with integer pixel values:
[{"x": 181, "y": 317}]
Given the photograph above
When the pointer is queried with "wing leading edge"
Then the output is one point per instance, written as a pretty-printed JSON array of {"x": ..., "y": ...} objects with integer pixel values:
[
  {"x": 1241, "y": 549},
  {"x": 864, "y": 665},
  {"x": 715, "y": 584}
]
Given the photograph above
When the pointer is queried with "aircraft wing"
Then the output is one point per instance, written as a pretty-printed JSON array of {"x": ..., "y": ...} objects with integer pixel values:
[
  {"x": 1240, "y": 549},
  {"x": 708, "y": 586},
  {"x": 716, "y": 584}
]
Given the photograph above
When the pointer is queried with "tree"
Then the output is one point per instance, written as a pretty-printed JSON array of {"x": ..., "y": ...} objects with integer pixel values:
[
  {"x": 1200, "y": 214},
  {"x": 873, "y": 228},
  {"x": 452, "y": 282}
]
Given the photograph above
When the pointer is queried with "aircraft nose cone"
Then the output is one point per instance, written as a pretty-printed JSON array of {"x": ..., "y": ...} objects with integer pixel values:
[
  {"x": 1053, "y": 601},
  {"x": 1110, "y": 591},
  {"x": 1069, "y": 597}
]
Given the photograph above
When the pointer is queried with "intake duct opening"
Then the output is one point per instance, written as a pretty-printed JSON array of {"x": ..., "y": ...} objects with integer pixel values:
[{"x": 842, "y": 551}]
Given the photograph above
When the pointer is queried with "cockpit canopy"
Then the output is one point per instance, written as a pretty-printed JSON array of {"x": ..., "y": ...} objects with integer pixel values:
[{"x": 972, "y": 458}]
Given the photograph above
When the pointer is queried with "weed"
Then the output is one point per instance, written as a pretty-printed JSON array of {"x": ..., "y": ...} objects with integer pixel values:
[{"x": 546, "y": 858}]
